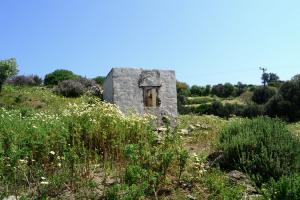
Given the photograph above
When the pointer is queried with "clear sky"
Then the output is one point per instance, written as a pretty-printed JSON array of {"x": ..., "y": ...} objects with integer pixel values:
[{"x": 206, "y": 42}]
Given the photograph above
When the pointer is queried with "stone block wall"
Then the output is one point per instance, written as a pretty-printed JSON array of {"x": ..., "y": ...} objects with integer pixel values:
[{"x": 125, "y": 88}]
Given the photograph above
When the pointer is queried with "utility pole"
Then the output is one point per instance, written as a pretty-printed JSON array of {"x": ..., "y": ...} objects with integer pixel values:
[{"x": 263, "y": 77}]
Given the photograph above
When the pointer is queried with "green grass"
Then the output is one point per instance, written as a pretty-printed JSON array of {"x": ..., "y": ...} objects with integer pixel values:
[
  {"x": 200, "y": 100},
  {"x": 295, "y": 128},
  {"x": 201, "y": 140},
  {"x": 36, "y": 98},
  {"x": 94, "y": 143}
]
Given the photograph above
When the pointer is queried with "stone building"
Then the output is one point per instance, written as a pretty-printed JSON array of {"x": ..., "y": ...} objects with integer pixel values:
[{"x": 142, "y": 91}]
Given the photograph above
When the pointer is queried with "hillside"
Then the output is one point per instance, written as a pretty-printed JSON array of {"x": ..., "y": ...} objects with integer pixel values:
[{"x": 81, "y": 148}]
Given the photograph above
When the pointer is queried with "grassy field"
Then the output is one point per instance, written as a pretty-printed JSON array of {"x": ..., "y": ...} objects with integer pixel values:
[
  {"x": 199, "y": 100},
  {"x": 53, "y": 147}
]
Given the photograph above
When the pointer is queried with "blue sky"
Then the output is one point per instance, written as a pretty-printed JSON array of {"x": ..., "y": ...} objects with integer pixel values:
[{"x": 206, "y": 42}]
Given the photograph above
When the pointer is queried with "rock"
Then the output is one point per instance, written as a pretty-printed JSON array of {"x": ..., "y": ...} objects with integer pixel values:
[
  {"x": 185, "y": 185},
  {"x": 191, "y": 128},
  {"x": 158, "y": 138},
  {"x": 240, "y": 178},
  {"x": 198, "y": 125},
  {"x": 191, "y": 197},
  {"x": 253, "y": 197},
  {"x": 161, "y": 129},
  {"x": 164, "y": 191},
  {"x": 214, "y": 159},
  {"x": 184, "y": 131},
  {"x": 111, "y": 180},
  {"x": 10, "y": 198},
  {"x": 237, "y": 177}
]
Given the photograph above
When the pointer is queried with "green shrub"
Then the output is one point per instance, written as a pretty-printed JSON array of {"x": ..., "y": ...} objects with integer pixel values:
[
  {"x": 252, "y": 110},
  {"x": 8, "y": 68},
  {"x": 70, "y": 88},
  {"x": 63, "y": 147},
  {"x": 99, "y": 80},
  {"x": 199, "y": 100},
  {"x": 220, "y": 187},
  {"x": 59, "y": 75},
  {"x": 221, "y": 90},
  {"x": 286, "y": 188},
  {"x": 32, "y": 80},
  {"x": 286, "y": 103},
  {"x": 262, "y": 147},
  {"x": 262, "y": 94}
]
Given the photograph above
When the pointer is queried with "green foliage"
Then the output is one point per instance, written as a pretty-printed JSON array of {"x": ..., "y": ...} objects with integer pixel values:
[
  {"x": 200, "y": 100},
  {"x": 286, "y": 188},
  {"x": 220, "y": 187},
  {"x": 262, "y": 147},
  {"x": 70, "y": 88},
  {"x": 223, "y": 91},
  {"x": 262, "y": 94},
  {"x": 8, "y": 68},
  {"x": 63, "y": 146},
  {"x": 286, "y": 103},
  {"x": 148, "y": 165},
  {"x": 227, "y": 110},
  {"x": 183, "y": 91},
  {"x": 99, "y": 80},
  {"x": 59, "y": 75},
  {"x": 182, "y": 88},
  {"x": 240, "y": 88},
  {"x": 183, "y": 156}
]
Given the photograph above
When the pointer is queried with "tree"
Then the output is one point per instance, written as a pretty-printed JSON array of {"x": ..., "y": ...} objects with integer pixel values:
[
  {"x": 240, "y": 88},
  {"x": 196, "y": 90},
  {"x": 296, "y": 77},
  {"x": 207, "y": 90},
  {"x": 273, "y": 78},
  {"x": 217, "y": 90},
  {"x": 262, "y": 94},
  {"x": 59, "y": 75},
  {"x": 228, "y": 89},
  {"x": 223, "y": 91},
  {"x": 100, "y": 80},
  {"x": 8, "y": 68},
  {"x": 182, "y": 88},
  {"x": 183, "y": 91},
  {"x": 264, "y": 76}
]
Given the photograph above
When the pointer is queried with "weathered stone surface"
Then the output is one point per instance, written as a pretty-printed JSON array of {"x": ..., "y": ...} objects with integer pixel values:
[
  {"x": 214, "y": 159},
  {"x": 10, "y": 198},
  {"x": 240, "y": 178},
  {"x": 125, "y": 88},
  {"x": 191, "y": 197},
  {"x": 184, "y": 131},
  {"x": 192, "y": 128}
]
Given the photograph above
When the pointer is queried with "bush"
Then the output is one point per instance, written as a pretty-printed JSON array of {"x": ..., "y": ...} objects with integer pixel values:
[
  {"x": 65, "y": 147},
  {"x": 220, "y": 187},
  {"x": 70, "y": 88},
  {"x": 288, "y": 187},
  {"x": 262, "y": 147},
  {"x": 86, "y": 82},
  {"x": 262, "y": 94},
  {"x": 8, "y": 68},
  {"x": 32, "y": 80},
  {"x": 223, "y": 91},
  {"x": 286, "y": 103},
  {"x": 99, "y": 80},
  {"x": 59, "y": 75},
  {"x": 197, "y": 90},
  {"x": 251, "y": 110}
]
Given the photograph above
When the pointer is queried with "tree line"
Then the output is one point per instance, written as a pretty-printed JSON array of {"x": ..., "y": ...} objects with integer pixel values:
[{"x": 275, "y": 98}]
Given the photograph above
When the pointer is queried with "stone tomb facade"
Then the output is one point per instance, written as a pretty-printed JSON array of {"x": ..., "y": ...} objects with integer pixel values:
[{"x": 142, "y": 91}]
